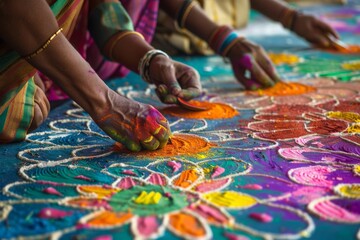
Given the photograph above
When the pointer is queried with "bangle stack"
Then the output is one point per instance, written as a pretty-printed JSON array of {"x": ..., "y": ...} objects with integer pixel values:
[
  {"x": 223, "y": 39},
  {"x": 288, "y": 18},
  {"x": 144, "y": 64},
  {"x": 184, "y": 12},
  {"x": 120, "y": 36},
  {"x": 45, "y": 45}
]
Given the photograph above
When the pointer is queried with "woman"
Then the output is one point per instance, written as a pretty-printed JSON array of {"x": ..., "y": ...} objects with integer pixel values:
[{"x": 40, "y": 43}]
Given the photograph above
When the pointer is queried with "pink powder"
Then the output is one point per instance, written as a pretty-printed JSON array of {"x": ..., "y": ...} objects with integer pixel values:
[
  {"x": 129, "y": 172},
  {"x": 147, "y": 225},
  {"x": 157, "y": 179},
  {"x": 126, "y": 183},
  {"x": 52, "y": 213},
  {"x": 231, "y": 236},
  {"x": 174, "y": 165},
  {"x": 104, "y": 237},
  {"x": 206, "y": 210},
  {"x": 211, "y": 185},
  {"x": 251, "y": 187},
  {"x": 261, "y": 217},
  {"x": 217, "y": 171},
  {"x": 82, "y": 177},
  {"x": 52, "y": 191}
]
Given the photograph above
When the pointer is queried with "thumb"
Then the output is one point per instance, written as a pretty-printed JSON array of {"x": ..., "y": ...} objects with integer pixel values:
[{"x": 168, "y": 78}]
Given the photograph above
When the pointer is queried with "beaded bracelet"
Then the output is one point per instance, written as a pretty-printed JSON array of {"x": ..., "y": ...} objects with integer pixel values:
[
  {"x": 118, "y": 38},
  {"x": 45, "y": 45},
  {"x": 144, "y": 64},
  {"x": 184, "y": 12}
]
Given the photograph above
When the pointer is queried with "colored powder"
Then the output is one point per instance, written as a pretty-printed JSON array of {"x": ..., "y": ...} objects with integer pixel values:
[
  {"x": 353, "y": 65},
  {"x": 52, "y": 213},
  {"x": 89, "y": 202},
  {"x": 251, "y": 187},
  {"x": 174, "y": 165},
  {"x": 99, "y": 191},
  {"x": 354, "y": 128},
  {"x": 350, "y": 191},
  {"x": 157, "y": 179},
  {"x": 347, "y": 116},
  {"x": 214, "y": 111},
  {"x": 330, "y": 211},
  {"x": 286, "y": 89},
  {"x": 357, "y": 170},
  {"x": 231, "y": 236},
  {"x": 261, "y": 217},
  {"x": 211, "y": 214},
  {"x": 351, "y": 49},
  {"x": 52, "y": 191},
  {"x": 312, "y": 175},
  {"x": 305, "y": 195},
  {"x": 217, "y": 171},
  {"x": 104, "y": 237},
  {"x": 283, "y": 58},
  {"x": 211, "y": 185},
  {"x": 230, "y": 199},
  {"x": 148, "y": 198},
  {"x": 147, "y": 225},
  {"x": 180, "y": 144},
  {"x": 126, "y": 183},
  {"x": 187, "y": 225},
  {"x": 186, "y": 178},
  {"x": 82, "y": 177},
  {"x": 129, "y": 172},
  {"x": 109, "y": 219}
]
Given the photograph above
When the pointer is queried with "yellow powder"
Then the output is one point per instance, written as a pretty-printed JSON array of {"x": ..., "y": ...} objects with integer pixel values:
[
  {"x": 101, "y": 192},
  {"x": 148, "y": 198},
  {"x": 353, "y": 65},
  {"x": 284, "y": 58},
  {"x": 351, "y": 191},
  {"x": 230, "y": 199}
]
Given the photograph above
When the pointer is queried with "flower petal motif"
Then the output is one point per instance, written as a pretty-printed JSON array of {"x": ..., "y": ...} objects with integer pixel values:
[
  {"x": 229, "y": 199},
  {"x": 187, "y": 178},
  {"x": 336, "y": 209},
  {"x": 87, "y": 203},
  {"x": 148, "y": 227},
  {"x": 105, "y": 219},
  {"x": 97, "y": 191},
  {"x": 187, "y": 225},
  {"x": 212, "y": 185},
  {"x": 348, "y": 190},
  {"x": 214, "y": 216}
]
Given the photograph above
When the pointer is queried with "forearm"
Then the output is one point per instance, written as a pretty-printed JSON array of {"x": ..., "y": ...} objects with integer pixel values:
[
  {"x": 196, "y": 22},
  {"x": 270, "y": 8},
  {"x": 59, "y": 60}
]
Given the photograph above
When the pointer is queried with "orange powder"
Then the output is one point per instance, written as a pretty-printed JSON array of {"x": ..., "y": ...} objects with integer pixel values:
[
  {"x": 187, "y": 224},
  {"x": 286, "y": 89},
  {"x": 180, "y": 144},
  {"x": 351, "y": 49},
  {"x": 215, "y": 111},
  {"x": 109, "y": 219},
  {"x": 186, "y": 178}
]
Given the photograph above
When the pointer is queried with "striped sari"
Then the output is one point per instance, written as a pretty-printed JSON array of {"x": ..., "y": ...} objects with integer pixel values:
[{"x": 17, "y": 86}]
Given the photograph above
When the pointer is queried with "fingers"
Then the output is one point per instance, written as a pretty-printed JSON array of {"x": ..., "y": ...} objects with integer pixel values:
[
  {"x": 265, "y": 62},
  {"x": 168, "y": 78},
  {"x": 163, "y": 94},
  {"x": 321, "y": 39},
  {"x": 327, "y": 29},
  {"x": 247, "y": 62},
  {"x": 150, "y": 143}
]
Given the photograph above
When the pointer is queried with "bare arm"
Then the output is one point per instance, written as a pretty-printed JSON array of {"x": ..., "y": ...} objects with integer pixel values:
[{"x": 60, "y": 61}]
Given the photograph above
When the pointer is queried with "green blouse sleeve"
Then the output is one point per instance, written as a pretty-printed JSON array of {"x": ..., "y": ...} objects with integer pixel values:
[{"x": 106, "y": 20}]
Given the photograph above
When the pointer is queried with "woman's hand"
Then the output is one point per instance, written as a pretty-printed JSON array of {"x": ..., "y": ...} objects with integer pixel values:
[
  {"x": 314, "y": 30},
  {"x": 251, "y": 65},
  {"x": 174, "y": 79},
  {"x": 137, "y": 126}
]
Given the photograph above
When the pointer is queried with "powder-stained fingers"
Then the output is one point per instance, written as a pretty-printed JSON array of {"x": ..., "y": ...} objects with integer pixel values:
[
  {"x": 162, "y": 92},
  {"x": 326, "y": 28},
  {"x": 150, "y": 143},
  {"x": 162, "y": 134},
  {"x": 258, "y": 74},
  {"x": 191, "y": 93},
  {"x": 266, "y": 64},
  {"x": 168, "y": 78},
  {"x": 132, "y": 145}
]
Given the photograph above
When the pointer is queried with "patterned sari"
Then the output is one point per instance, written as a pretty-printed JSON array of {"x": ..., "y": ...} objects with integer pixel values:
[{"x": 17, "y": 86}]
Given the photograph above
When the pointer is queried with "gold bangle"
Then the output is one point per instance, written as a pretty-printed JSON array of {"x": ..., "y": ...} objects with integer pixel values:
[
  {"x": 118, "y": 38},
  {"x": 187, "y": 12},
  {"x": 45, "y": 45}
]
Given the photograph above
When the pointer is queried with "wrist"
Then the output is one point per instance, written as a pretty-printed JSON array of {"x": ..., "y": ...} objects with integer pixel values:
[
  {"x": 145, "y": 61},
  {"x": 288, "y": 17}
]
